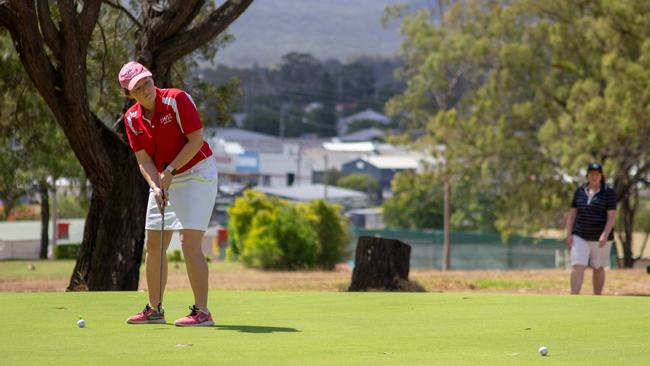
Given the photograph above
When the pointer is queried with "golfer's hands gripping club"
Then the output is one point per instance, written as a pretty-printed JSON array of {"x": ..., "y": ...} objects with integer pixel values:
[{"x": 162, "y": 198}]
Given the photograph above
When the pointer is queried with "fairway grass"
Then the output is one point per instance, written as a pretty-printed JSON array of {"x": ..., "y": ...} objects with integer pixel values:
[{"x": 327, "y": 328}]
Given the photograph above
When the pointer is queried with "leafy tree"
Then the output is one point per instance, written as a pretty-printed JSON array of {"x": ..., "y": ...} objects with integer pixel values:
[
  {"x": 53, "y": 42},
  {"x": 360, "y": 182},
  {"x": 299, "y": 76},
  {"x": 564, "y": 83},
  {"x": 263, "y": 120},
  {"x": 31, "y": 143},
  {"x": 416, "y": 202},
  {"x": 332, "y": 176},
  {"x": 325, "y": 117}
]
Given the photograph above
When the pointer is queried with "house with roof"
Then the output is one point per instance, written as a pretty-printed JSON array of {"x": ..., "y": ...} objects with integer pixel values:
[
  {"x": 366, "y": 115},
  {"x": 248, "y": 158},
  {"x": 347, "y": 198},
  {"x": 22, "y": 239},
  {"x": 366, "y": 134},
  {"x": 383, "y": 167}
]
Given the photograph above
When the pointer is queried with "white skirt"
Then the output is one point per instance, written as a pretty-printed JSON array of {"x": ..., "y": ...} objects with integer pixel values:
[{"x": 192, "y": 195}]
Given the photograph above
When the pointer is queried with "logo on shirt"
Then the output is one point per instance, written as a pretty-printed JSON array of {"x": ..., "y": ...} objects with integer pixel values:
[{"x": 166, "y": 119}]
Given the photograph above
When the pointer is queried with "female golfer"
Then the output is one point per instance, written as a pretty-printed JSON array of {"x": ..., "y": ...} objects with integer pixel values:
[
  {"x": 165, "y": 132},
  {"x": 590, "y": 226}
]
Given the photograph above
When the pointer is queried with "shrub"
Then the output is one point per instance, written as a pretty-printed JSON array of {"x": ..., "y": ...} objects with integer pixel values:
[
  {"x": 67, "y": 251},
  {"x": 332, "y": 230},
  {"x": 175, "y": 256},
  {"x": 270, "y": 233},
  {"x": 280, "y": 239},
  {"x": 241, "y": 216}
]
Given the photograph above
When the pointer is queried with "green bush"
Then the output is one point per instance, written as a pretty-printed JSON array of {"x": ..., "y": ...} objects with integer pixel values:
[
  {"x": 281, "y": 239},
  {"x": 67, "y": 251},
  {"x": 175, "y": 256},
  {"x": 240, "y": 217},
  {"x": 332, "y": 230},
  {"x": 270, "y": 233}
]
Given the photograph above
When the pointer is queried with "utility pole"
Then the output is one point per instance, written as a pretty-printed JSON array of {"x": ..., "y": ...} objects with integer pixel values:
[
  {"x": 282, "y": 115},
  {"x": 446, "y": 245},
  {"x": 325, "y": 178},
  {"x": 298, "y": 165}
]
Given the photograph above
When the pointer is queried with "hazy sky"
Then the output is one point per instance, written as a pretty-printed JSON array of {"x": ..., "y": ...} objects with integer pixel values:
[{"x": 325, "y": 28}]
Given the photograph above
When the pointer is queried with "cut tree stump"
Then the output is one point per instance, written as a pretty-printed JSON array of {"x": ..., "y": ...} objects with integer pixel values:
[{"x": 380, "y": 263}]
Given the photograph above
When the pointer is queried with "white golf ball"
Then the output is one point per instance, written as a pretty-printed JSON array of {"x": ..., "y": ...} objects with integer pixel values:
[
  {"x": 81, "y": 323},
  {"x": 543, "y": 351}
]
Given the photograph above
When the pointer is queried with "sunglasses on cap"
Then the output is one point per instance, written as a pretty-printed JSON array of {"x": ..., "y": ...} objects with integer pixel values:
[{"x": 594, "y": 166}]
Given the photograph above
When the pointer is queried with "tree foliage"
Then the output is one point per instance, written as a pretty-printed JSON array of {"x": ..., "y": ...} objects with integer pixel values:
[
  {"x": 547, "y": 87},
  {"x": 360, "y": 182}
]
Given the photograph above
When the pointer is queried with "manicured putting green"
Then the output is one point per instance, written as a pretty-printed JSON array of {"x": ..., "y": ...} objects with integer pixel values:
[{"x": 312, "y": 328}]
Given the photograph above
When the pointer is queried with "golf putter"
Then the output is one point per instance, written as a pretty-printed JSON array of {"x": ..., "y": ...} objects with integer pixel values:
[{"x": 162, "y": 250}]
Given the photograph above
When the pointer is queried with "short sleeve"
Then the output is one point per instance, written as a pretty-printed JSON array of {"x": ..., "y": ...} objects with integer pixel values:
[
  {"x": 131, "y": 134},
  {"x": 574, "y": 202},
  {"x": 611, "y": 200},
  {"x": 189, "y": 115}
]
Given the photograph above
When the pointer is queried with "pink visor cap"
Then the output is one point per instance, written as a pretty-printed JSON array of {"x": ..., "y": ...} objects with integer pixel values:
[{"x": 131, "y": 73}]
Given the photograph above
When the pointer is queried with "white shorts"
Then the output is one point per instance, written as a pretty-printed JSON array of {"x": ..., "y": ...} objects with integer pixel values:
[
  {"x": 191, "y": 199},
  {"x": 588, "y": 253}
]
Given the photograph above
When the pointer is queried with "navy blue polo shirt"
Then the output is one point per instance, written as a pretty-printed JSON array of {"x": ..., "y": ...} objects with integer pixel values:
[{"x": 592, "y": 216}]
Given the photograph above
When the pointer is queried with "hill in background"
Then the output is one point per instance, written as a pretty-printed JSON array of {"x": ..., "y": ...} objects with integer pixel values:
[{"x": 340, "y": 29}]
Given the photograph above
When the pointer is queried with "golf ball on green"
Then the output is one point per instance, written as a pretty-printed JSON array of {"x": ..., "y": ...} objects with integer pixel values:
[
  {"x": 81, "y": 323},
  {"x": 543, "y": 351}
]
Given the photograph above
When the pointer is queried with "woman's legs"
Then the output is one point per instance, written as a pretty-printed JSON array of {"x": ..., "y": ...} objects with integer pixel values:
[
  {"x": 152, "y": 264},
  {"x": 577, "y": 276},
  {"x": 197, "y": 268}
]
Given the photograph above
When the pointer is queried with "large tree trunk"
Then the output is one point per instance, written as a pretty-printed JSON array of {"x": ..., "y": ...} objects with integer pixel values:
[
  {"x": 627, "y": 196},
  {"x": 111, "y": 251},
  {"x": 45, "y": 218},
  {"x": 53, "y": 50},
  {"x": 627, "y": 211}
]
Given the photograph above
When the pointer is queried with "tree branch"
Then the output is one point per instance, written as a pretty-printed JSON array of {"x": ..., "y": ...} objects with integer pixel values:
[
  {"x": 30, "y": 47},
  {"x": 119, "y": 7},
  {"x": 50, "y": 33},
  {"x": 186, "y": 42},
  {"x": 8, "y": 17},
  {"x": 174, "y": 18},
  {"x": 88, "y": 19}
]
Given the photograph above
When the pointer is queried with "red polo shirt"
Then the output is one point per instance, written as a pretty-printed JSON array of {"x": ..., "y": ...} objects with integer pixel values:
[{"x": 163, "y": 137}]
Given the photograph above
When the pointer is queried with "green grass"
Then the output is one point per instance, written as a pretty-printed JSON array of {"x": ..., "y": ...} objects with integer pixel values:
[
  {"x": 16, "y": 270},
  {"x": 290, "y": 328},
  {"x": 492, "y": 283}
]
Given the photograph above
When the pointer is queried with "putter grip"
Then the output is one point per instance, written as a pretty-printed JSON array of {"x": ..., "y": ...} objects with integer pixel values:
[{"x": 165, "y": 165}]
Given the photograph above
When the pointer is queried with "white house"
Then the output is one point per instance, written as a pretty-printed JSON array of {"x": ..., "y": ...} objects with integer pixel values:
[{"x": 22, "y": 239}]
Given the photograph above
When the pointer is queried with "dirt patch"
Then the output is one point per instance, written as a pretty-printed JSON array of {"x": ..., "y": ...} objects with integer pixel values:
[{"x": 547, "y": 281}]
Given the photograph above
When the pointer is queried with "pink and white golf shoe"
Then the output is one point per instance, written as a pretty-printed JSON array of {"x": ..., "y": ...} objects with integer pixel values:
[{"x": 196, "y": 318}]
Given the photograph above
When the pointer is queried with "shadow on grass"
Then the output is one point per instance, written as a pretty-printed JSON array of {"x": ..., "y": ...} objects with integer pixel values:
[{"x": 255, "y": 329}]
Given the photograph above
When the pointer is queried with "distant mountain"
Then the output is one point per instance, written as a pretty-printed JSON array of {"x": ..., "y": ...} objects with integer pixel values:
[{"x": 341, "y": 29}]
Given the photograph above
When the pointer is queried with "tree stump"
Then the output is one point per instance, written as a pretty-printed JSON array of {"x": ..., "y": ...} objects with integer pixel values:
[{"x": 380, "y": 263}]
